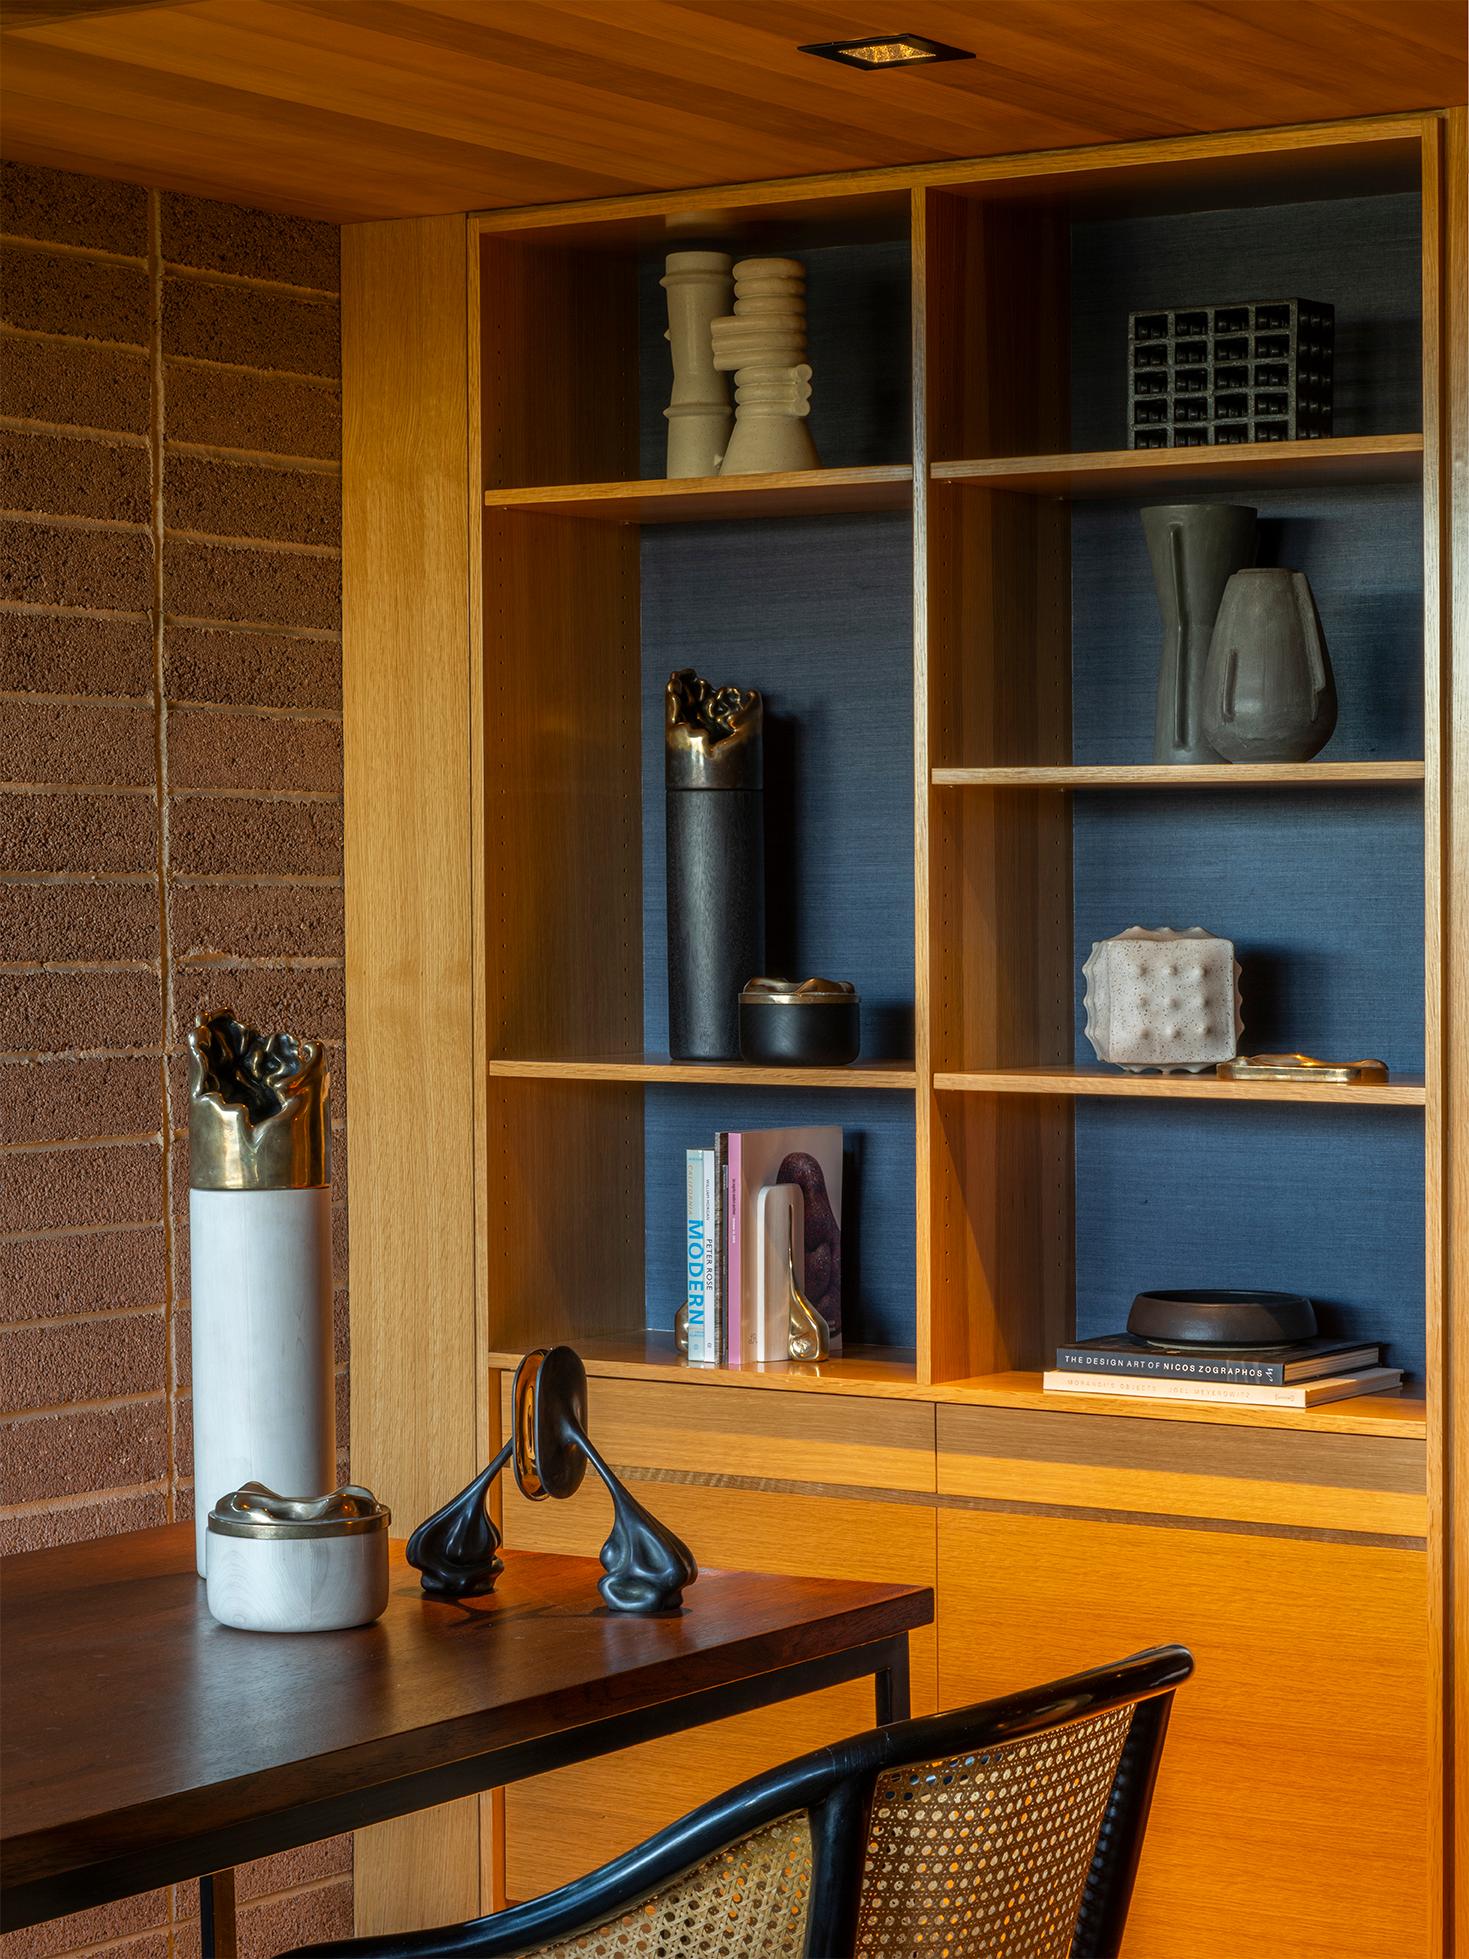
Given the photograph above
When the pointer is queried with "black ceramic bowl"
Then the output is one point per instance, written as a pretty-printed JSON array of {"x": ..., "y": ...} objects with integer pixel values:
[
  {"x": 1220, "y": 1317},
  {"x": 799, "y": 1023}
]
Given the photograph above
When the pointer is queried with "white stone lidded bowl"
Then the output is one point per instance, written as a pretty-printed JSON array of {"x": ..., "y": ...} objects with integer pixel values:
[
  {"x": 297, "y": 1564},
  {"x": 1159, "y": 998}
]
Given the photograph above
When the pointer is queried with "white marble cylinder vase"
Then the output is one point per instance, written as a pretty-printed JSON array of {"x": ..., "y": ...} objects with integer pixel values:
[
  {"x": 699, "y": 412},
  {"x": 260, "y": 1274},
  {"x": 260, "y": 1258}
]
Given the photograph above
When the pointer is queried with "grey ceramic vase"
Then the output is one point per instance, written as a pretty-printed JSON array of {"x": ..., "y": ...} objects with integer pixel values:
[
  {"x": 1269, "y": 695},
  {"x": 1196, "y": 548}
]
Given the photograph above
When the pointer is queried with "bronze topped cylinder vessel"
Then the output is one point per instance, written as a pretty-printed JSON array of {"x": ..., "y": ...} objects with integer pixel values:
[
  {"x": 260, "y": 1254},
  {"x": 715, "y": 812}
]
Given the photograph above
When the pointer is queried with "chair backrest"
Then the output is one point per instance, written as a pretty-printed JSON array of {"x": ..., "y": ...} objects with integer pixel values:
[{"x": 1011, "y": 1828}]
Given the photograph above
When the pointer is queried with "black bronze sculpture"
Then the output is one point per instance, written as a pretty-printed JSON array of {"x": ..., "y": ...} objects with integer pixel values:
[
  {"x": 715, "y": 809},
  {"x": 455, "y": 1551}
]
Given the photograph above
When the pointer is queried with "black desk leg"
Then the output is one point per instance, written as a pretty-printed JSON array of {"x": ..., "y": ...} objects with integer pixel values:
[
  {"x": 890, "y": 1684},
  {"x": 217, "y": 1916}
]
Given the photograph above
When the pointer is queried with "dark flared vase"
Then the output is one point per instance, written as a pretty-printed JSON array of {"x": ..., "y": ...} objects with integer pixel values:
[
  {"x": 1196, "y": 548},
  {"x": 715, "y": 815}
]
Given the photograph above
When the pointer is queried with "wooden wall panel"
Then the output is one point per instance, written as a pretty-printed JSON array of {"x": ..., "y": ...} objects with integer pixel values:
[
  {"x": 1449, "y": 1176},
  {"x": 410, "y": 1021},
  {"x": 560, "y": 1825},
  {"x": 1290, "y": 1814}
]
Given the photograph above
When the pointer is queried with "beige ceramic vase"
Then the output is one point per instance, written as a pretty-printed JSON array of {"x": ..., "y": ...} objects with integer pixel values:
[
  {"x": 699, "y": 413},
  {"x": 763, "y": 344}
]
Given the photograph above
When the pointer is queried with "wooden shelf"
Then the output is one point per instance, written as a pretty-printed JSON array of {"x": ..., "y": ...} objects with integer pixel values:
[
  {"x": 1179, "y": 775},
  {"x": 1148, "y": 472},
  {"x": 1368, "y": 1414},
  {"x": 884, "y": 1371},
  {"x": 1404, "y": 1092},
  {"x": 735, "y": 1074},
  {"x": 712, "y": 499},
  {"x": 891, "y": 1374}
]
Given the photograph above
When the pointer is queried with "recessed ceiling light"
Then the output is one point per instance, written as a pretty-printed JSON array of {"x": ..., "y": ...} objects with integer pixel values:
[{"x": 886, "y": 51}]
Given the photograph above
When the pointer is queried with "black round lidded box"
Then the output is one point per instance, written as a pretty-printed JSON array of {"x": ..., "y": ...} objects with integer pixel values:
[{"x": 810, "y": 1023}]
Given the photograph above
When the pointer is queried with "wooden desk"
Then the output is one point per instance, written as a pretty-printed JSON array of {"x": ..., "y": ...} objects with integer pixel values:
[{"x": 142, "y": 1744}]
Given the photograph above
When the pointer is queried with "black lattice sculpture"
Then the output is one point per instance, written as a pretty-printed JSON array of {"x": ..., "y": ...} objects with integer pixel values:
[
  {"x": 455, "y": 1551},
  {"x": 1259, "y": 371}
]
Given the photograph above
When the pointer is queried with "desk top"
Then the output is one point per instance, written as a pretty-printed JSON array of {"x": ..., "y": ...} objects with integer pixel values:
[{"x": 137, "y": 1736}]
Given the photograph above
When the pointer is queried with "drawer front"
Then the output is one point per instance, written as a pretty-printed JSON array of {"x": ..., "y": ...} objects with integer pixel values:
[
  {"x": 841, "y": 1441},
  {"x": 561, "y": 1825},
  {"x": 1291, "y": 1813},
  {"x": 1359, "y": 1485}
]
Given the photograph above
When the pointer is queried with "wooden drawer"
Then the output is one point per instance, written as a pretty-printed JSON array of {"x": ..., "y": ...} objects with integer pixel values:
[
  {"x": 1369, "y": 1485},
  {"x": 721, "y": 1476},
  {"x": 701, "y": 1433},
  {"x": 1291, "y": 1814}
]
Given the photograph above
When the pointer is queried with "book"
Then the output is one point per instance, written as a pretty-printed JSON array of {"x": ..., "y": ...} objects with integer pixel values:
[
  {"x": 1305, "y": 1360},
  {"x": 734, "y": 1324},
  {"x": 696, "y": 1242},
  {"x": 1303, "y": 1394},
  {"x": 812, "y": 1160},
  {"x": 720, "y": 1342}
]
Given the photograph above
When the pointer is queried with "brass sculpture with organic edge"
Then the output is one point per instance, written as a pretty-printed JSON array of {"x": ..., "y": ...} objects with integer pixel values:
[
  {"x": 257, "y": 1108},
  {"x": 260, "y": 1252},
  {"x": 714, "y": 811},
  {"x": 1299, "y": 1068},
  {"x": 455, "y": 1551}
]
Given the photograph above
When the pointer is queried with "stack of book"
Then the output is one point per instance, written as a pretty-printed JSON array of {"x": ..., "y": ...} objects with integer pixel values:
[
  {"x": 737, "y": 1307},
  {"x": 1300, "y": 1376}
]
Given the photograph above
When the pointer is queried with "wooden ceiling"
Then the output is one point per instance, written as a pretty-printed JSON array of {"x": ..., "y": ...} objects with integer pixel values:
[{"x": 352, "y": 109}]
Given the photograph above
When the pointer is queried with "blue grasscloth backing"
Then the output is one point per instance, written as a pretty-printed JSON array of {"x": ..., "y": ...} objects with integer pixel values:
[{"x": 1321, "y": 890}]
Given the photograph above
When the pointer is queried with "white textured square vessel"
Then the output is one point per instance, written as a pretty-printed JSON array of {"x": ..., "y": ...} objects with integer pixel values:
[{"x": 1156, "y": 998}]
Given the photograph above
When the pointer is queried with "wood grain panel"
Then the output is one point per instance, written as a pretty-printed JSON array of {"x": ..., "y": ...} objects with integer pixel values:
[
  {"x": 718, "y": 499},
  {"x": 1450, "y": 1473},
  {"x": 563, "y": 825},
  {"x": 1151, "y": 472},
  {"x": 1403, "y": 1092},
  {"x": 813, "y": 1439},
  {"x": 999, "y": 866},
  {"x": 559, "y": 364},
  {"x": 1305, "y": 1716},
  {"x": 552, "y": 1273},
  {"x": 410, "y": 1020},
  {"x": 563, "y": 1824},
  {"x": 1182, "y": 775},
  {"x": 378, "y": 110},
  {"x": 1322, "y": 1482}
]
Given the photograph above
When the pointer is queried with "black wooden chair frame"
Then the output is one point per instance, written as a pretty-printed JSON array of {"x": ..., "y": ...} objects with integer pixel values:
[{"x": 835, "y": 1786}]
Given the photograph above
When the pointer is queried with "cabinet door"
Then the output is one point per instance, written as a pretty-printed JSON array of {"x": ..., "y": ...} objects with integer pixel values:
[
  {"x": 753, "y": 1480},
  {"x": 1291, "y": 1813}
]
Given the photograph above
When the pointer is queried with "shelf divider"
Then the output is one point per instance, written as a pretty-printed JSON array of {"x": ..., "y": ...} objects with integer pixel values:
[
  {"x": 1404, "y": 1092},
  {"x": 873, "y": 1074},
  {"x": 712, "y": 499},
  {"x": 1147, "y": 472},
  {"x": 1184, "y": 775},
  {"x": 890, "y": 1373}
]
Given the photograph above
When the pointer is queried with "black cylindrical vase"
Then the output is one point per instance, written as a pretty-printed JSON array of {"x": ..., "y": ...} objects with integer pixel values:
[{"x": 713, "y": 774}]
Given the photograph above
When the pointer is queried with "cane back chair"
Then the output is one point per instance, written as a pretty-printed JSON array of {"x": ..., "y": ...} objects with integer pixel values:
[{"x": 1011, "y": 1828}]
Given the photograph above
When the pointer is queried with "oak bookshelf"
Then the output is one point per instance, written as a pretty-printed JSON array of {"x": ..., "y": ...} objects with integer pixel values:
[
  {"x": 955, "y": 629},
  {"x": 978, "y": 452}
]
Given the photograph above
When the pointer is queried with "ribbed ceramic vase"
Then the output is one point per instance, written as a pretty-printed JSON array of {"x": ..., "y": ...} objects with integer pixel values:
[
  {"x": 1269, "y": 693},
  {"x": 700, "y": 413},
  {"x": 260, "y": 1265},
  {"x": 1195, "y": 549}
]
